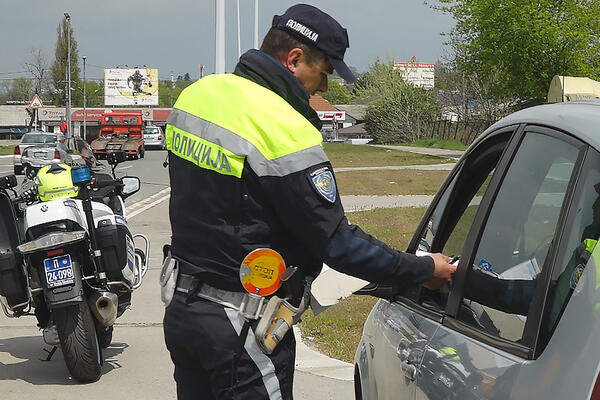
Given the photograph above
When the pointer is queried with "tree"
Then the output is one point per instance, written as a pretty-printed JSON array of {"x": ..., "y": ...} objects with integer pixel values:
[
  {"x": 59, "y": 66},
  {"x": 37, "y": 66},
  {"x": 186, "y": 77},
  {"x": 524, "y": 44},
  {"x": 397, "y": 111},
  {"x": 168, "y": 94},
  {"x": 336, "y": 93},
  {"x": 467, "y": 95},
  {"x": 21, "y": 90}
]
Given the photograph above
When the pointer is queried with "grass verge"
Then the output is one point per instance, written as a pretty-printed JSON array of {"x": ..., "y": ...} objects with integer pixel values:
[
  {"x": 6, "y": 150},
  {"x": 336, "y": 331},
  {"x": 439, "y": 143},
  {"x": 348, "y": 155},
  {"x": 389, "y": 182}
]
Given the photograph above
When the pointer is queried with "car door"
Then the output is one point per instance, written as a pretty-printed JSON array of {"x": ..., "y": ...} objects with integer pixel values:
[
  {"x": 499, "y": 212},
  {"x": 398, "y": 332},
  {"x": 397, "y": 340}
]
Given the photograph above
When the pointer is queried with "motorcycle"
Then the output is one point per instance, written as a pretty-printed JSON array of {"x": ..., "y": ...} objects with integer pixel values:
[{"x": 68, "y": 257}]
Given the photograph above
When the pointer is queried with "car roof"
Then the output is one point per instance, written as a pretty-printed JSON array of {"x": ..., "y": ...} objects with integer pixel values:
[{"x": 581, "y": 119}]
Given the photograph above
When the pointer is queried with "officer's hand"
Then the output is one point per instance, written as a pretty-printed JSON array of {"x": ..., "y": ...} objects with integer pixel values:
[{"x": 442, "y": 272}]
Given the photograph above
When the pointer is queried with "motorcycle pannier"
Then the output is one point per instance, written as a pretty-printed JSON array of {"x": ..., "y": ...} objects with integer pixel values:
[
  {"x": 13, "y": 288},
  {"x": 117, "y": 251}
]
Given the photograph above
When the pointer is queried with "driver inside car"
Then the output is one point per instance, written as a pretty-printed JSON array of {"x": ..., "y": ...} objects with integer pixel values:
[{"x": 514, "y": 295}]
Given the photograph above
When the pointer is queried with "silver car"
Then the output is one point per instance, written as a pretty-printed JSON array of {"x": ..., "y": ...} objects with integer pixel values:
[
  {"x": 154, "y": 137},
  {"x": 521, "y": 318},
  {"x": 71, "y": 150},
  {"x": 44, "y": 141}
]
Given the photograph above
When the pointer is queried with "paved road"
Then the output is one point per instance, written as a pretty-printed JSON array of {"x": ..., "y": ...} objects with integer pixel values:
[
  {"x": 137, "y": 364},
  {"x": 455, "y": 154}
]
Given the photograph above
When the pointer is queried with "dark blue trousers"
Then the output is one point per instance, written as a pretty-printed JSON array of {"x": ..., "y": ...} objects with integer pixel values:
[{"x": 213, "y": 362}]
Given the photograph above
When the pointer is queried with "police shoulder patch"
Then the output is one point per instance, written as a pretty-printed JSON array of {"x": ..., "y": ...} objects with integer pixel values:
[{"x": 323, "y": 182}]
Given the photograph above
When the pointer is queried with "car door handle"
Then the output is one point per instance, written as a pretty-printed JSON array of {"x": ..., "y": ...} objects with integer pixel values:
[
  {"x": 404, "y": 355},
  {"x": 403, "y": 352},
  {"x": 409, "y": 370}
]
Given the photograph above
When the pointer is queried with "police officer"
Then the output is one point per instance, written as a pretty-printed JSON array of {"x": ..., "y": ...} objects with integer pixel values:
[{"x": 248, "y": 172}]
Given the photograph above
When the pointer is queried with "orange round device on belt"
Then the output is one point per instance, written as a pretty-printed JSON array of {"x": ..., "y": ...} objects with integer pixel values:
[{"x": 261, "y": 271}]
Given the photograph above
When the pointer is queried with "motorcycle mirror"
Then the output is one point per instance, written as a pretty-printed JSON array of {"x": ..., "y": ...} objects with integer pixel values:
[
  {"x": 116, "y": 157},
  {"x": 131, "y": 185},
  {"x": 30, "y": 172},
  {"x": 8, "y": 182}
]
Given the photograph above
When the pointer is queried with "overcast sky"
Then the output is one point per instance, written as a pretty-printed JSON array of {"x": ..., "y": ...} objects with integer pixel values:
[{"x": 176, "y": 36}]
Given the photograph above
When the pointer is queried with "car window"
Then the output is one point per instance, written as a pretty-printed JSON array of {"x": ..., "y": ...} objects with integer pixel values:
[
  {"x": 112, "y": 120},
  {"x": 517, "y": 236},
  {"x": 150, "y": 131},
  {"x": 582, "y": 230},
  {"x": 33, "y": 138},
  {"x": 451, "y": 220}
]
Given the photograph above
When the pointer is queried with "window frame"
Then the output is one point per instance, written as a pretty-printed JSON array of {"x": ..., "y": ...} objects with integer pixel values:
[
  {"x": 526, "y": 349},
  {"x": 412, "y": 298},
  {"x": 529, "y": 348}
]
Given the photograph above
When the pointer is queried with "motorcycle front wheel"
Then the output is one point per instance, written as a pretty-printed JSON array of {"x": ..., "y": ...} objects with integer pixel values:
[{"x": 78, "y": 342}]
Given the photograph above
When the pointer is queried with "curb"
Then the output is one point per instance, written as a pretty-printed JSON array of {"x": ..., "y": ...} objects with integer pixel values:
[{"x": 313, "y": 362}]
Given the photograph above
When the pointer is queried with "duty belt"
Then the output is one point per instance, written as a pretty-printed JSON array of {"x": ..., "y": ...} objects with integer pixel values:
[{"x": 250, "y": 306}]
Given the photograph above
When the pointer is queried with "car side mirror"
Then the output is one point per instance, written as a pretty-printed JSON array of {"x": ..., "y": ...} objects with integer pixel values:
[
  {"x": 116, "y": 157},
  {"x": 131, "y": 185},
  {"x": 8, "y": 182},
  {"x": 378, "y": 290}
]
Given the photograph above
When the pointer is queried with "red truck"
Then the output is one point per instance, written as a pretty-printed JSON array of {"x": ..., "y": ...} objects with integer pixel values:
[{"x": 120, "y": 131}]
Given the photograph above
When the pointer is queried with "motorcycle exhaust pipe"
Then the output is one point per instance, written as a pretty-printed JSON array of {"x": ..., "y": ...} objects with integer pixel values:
[{"x": 104, "y": 307}]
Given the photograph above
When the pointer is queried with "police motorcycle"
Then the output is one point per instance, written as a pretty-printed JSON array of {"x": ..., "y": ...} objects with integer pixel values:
[{"x": 68, "y": 257}]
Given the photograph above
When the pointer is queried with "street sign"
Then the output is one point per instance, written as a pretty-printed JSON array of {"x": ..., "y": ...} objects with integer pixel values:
[{"x": 36, "y": 102}]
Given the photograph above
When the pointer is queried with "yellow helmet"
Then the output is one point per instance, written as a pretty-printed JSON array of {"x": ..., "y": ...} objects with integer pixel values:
[{"x": 54, "y": 182}]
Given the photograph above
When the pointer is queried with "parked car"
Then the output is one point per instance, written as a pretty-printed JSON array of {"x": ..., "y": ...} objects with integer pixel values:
[
  {"x": 521, "y": 317},
  {"x": 154, "y": 137},
  {"x": 71, "y": 150},
  {"x": 31, "y": 139}
]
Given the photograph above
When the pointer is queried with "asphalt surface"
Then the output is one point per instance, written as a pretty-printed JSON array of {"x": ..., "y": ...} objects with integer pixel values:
[{"x": 137, "y": 364}]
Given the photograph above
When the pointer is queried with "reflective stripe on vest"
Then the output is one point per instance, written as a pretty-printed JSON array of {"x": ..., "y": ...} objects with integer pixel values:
[{"x": 241, "y": 120}]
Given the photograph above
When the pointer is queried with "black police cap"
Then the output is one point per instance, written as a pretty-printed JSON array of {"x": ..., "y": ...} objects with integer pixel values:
[{"x": 316, "y": 28}]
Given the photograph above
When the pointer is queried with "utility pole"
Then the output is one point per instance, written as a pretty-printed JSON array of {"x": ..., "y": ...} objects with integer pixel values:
[
  {"x": 238, "y": 29},
  {"x": 219, "y": 36},
  {"x": 68, "y": 18},
  {"x": 256, "y": 24},
  {"x": 84, "y": 115}
]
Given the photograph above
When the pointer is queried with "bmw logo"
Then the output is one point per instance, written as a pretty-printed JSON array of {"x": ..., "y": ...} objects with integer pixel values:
[{"x": 44, "y": 208}]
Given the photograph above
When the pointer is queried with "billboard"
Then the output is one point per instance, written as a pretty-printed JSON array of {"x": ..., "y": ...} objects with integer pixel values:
[
  {"x": 131, "y": 86},
  {"x": 417, "y": 74}
]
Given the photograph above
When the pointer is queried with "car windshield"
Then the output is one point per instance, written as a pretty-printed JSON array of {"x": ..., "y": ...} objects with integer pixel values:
[
  {"x": 150, "y": 131},
  {"x": 38, "y": 138}
]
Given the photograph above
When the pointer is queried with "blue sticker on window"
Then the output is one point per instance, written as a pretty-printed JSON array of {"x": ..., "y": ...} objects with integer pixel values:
[
  {"x": 485, "y": 265},
  {"x": 324, "y": 183}
]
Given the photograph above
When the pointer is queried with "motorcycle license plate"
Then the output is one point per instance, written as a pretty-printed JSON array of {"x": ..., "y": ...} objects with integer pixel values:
[{"x": 59, "y": 271}]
